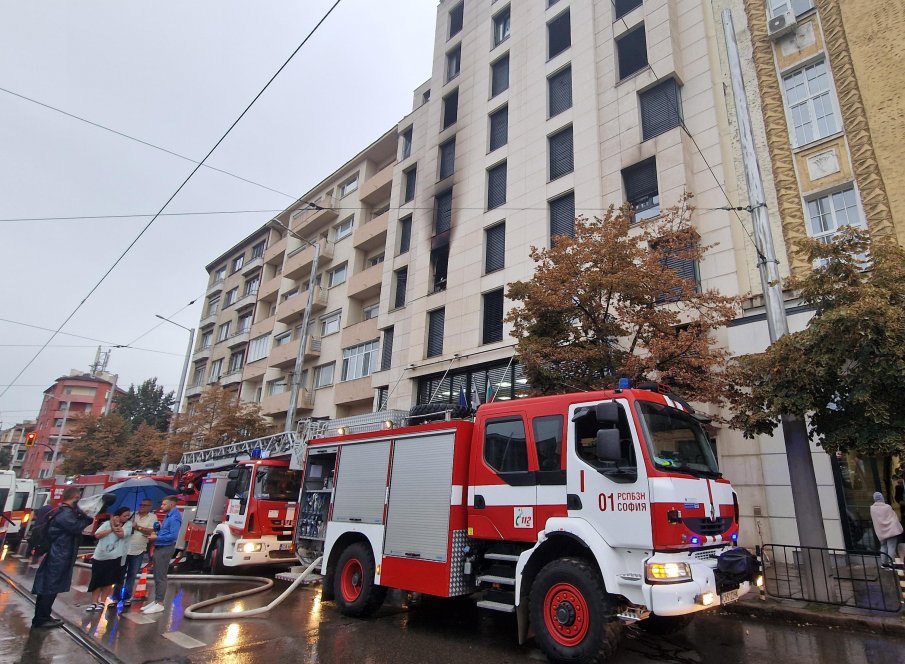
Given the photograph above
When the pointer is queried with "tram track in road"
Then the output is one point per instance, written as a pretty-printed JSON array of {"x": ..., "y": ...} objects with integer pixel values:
[{"x": 97, "y": 652}]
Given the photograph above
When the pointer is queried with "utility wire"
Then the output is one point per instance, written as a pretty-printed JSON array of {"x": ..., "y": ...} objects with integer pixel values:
[
  {"x": 170, "y": 199},
  {"x": 138, "y": 140},
  {"x": 79, "y": 336}
]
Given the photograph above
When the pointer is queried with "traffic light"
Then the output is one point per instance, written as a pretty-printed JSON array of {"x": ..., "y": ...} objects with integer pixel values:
[{"x": 31, "y": 438}]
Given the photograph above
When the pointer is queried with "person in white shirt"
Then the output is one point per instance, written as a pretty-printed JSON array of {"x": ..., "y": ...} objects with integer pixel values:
[
  {"x": 142, "y": 526},
  {"x": 109, "y": 556}
]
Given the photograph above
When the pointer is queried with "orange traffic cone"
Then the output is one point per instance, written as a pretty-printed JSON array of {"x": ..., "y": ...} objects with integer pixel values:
[{"x": 140, "y": 591}]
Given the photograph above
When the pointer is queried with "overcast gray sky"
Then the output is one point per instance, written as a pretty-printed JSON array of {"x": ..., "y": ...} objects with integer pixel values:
[{"x": 175, "y": 74}]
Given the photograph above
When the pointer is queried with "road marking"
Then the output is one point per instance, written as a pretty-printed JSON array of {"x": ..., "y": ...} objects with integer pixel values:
[
  {"x": 183, "y": 640},
  {"x": 139, "y": 618}
]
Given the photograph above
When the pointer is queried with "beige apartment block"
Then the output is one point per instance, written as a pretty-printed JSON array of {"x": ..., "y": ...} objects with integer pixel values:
[
  {"x": 226, "y": 317},
  {"x": 345, "y": 215},
  {"x": 537, "y": 112}
]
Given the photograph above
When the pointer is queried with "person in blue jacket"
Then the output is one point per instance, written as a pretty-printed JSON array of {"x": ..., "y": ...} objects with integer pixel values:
[
  {"x": 55, "y": 573},
  {"x": 164, "y": 547}
]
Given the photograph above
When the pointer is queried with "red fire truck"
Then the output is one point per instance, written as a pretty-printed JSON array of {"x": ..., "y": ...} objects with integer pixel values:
[{"x": 576, "y": 512}]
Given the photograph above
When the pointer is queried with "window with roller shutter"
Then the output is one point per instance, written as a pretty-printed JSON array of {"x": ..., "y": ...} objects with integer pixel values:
[
  {"x": 495, "y": 256},
  {"x": 661, "y": 109},
  {"x": 499, "y": 76},
  {"x": 562, "y": 160},
  {"x": 686, "y": 268},
  {"x": 435, "y": 322},
  {"x": 386, "y": 354},
  {"x": 443, "y": 212},
  {"x": 493, "y": 317},
  {"x": 447, "y": 158},
  {"x": 562, "y": 216},
  {"x": 641, "y": 191},
  {"x": 496, "y": 186},
  {"x": 499, "y": 128},
  {"x": 559, "y": 88}
]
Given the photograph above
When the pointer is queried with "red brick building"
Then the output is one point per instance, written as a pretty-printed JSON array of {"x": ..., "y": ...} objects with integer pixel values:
[{"x": 75, "y": 394}]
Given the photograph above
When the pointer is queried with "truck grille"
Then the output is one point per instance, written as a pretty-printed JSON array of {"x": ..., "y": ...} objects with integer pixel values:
[{"x": 705, "y": 526}]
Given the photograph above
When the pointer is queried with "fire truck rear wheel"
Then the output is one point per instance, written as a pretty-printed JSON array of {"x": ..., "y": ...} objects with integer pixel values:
[
  {"x": 572, "y": 615},
  {"x": 353, "y": 582},
  {"x": 665, "y": 625},
  {"x": 213, "y": 561}
]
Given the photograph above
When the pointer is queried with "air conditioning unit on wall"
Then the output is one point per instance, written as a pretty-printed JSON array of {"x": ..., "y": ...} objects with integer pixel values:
[{"x": 781, "y": 25}]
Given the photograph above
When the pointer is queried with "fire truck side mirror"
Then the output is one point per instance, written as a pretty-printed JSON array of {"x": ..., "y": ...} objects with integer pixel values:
[
  {"x": 608, "y": 448},
  {"x": 231, "y": 487},
  {"x": 607, "y": 412}
]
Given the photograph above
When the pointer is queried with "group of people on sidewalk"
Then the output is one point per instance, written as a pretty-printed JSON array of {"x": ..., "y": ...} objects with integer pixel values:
[{"x": 122, "y": 543}]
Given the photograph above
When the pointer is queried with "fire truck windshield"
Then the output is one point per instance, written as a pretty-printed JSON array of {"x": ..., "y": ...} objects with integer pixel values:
[
  {"x": 676, "y": 440},
  {"x": 276, "y": 484}
]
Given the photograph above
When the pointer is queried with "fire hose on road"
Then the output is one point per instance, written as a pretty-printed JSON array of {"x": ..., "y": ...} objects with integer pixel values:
[{"x": 193, "y": 611}]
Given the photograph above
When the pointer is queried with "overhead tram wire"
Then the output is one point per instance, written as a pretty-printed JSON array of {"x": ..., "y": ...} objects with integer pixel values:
[
  {"x": 170, "y": 199},
  {"x": 138, "y": 140},
  {"x": 79, "y": 336}
]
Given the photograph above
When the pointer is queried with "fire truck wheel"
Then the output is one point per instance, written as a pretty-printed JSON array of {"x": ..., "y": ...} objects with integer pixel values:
[
  {"x": 572, "y": 614},
  {"x": 665, "y": 625},
  {"x": 213, "y": 561},
  {"x": 353, "y": 582}
]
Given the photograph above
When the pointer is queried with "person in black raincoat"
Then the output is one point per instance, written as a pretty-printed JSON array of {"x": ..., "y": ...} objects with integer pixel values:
[{"x": 55, "y": 573}]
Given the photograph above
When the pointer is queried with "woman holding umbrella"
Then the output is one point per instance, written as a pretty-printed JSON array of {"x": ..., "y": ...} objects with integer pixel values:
[{"x": 109, "y": 557}]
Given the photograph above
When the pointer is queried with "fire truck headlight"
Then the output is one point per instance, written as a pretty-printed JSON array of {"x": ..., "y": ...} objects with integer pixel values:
[
  {"x": 250, "y": 547},
  {"x": 667, "y": 572}
]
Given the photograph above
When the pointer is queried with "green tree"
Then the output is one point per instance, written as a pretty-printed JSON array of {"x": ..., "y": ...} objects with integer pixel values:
[
  {"x": 218, "y": 418},
  {"x": 96, "y": 444},
  {"x": 148, "y": 404},
  {"x": 609, "y": 303},
  {"x": 143, "y": 449},
  {"x": 846, "y": 370}
]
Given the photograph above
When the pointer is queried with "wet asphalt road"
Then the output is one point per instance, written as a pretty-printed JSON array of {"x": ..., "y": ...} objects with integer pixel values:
[{"x": 429, "y": 630}]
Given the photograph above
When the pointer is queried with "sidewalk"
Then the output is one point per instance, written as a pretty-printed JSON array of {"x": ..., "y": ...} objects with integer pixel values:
[{"x": 786, "y": 610}]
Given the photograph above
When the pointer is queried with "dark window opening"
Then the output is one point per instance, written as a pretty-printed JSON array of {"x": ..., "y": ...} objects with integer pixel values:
[
  {"x": 623, "y": 7},
  {"x": 641, "y": 190},
  {"x": 493, "y": 317},
  {"x": 499, "y": 128},
  {"x": 456, "y": 17},
  {"x": 559, "y": 35},
  {"x": 410, "y": 177},
  {"x": 405, "y": 234},
  {"x": 559, "y": 87},
  {"x": 386, "y": 355},
  {"x": 447, "y": 158},
  {"x": 631, "y": 49},
  {"x": 439, "y": 267},
  {"x": 435, "y": 322},
  {"x": 496, "y": 186},
  {"x": 562, "y": 216},
  {"x": 401, "y": 279},
  {"x": 495, "y": 258},
  {"x": 499, "y": 76},
  {"x": 443, "y": 212},
  {"x": 450, "y": 108}
]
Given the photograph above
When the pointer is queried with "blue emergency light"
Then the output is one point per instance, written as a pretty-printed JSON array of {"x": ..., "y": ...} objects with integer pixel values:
[{"x": 624, "y": 383}]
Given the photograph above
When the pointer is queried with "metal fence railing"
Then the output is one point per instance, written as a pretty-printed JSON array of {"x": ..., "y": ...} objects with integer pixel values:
[{"x": 863, "y": 580}]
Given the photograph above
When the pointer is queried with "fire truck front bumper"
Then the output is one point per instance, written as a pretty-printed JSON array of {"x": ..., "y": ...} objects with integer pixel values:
[
  {"x": 263, "y": 551},
  {"x": 675, "y": 587}
]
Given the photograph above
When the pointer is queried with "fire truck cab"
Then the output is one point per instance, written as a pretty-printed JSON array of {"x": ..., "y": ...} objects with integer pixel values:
[
  {"x": 244, "y": 516},
  {"x": 576, "y": 512},
  {"x": 19, "y": 507}
]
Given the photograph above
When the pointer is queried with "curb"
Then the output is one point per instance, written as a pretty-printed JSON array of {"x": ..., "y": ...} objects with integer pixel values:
[
  {"x": 95, "y": 649},
  {"x": 893, "y": 625}
]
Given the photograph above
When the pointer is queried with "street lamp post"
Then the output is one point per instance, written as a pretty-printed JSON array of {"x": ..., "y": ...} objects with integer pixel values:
[{"x": 165, "y": 460}]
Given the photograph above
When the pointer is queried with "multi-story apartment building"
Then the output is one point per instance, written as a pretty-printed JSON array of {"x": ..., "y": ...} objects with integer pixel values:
[
  {"x": 13, "y": 439},
  {"x": 822, "y": 80},
  {"x": 250, "y": 330},
  {"x": 70, "y": 396},
  {"x": 226, "y": 316}
]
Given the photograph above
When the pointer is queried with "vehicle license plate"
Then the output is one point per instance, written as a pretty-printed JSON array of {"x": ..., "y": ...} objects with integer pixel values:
[
  {"x": 728, "y": 596},
  {"x": 285, "y": 546}
]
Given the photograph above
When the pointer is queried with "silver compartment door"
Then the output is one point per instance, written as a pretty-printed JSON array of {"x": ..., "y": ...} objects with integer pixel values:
[
  {"x": 361, "y": 483},
  {"x": 420, "y": 492}
]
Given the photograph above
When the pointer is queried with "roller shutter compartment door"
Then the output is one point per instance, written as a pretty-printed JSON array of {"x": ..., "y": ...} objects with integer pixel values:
[
  {"x": 420, "y": 492},
  {"x": 361, "y": 483}
]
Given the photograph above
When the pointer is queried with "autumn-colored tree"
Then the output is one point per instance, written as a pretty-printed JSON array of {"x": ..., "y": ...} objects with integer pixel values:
[
  {"x": 610, "y": 303},
  {"x": 97, "y": 441},
  {"x": 142, "y": 449},
  {"x": 846, "y": 370},
  {"x": 219, "y": 418}
]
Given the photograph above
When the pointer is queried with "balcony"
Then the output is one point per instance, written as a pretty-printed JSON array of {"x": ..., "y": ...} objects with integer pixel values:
[
  {"x": 252, "y": 265},
  {"x": 359, "y": 333},
  {"x": 254, "y": 369},
  {"x": 366, "y": 284},
  {"x": 289, "y": 310},
  {"x": 284, "y": 356},
  {"x": 277, "y": 404},
  {"x": 215, "y": 287},
  {"x": 261, "y": 327},
  {"x": 194, "y": 390},
  {"x": 274, "y": 250},
  {"x": 232, "y": 378},
  {"x": 311, "y": 219},
  {"x": 377, "y": 187},
  {"x": 372, "y": 234},
  {"x": 353, "y": 391},
  {"x": 270, "y": 288},
  {"x": 202, "y": 353},
  {"x": 298, "y": 262},
  {"x": 208, "y": 320},
  {"x": 238, "y": 339},
  {"x": 246, "y": 300}
]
